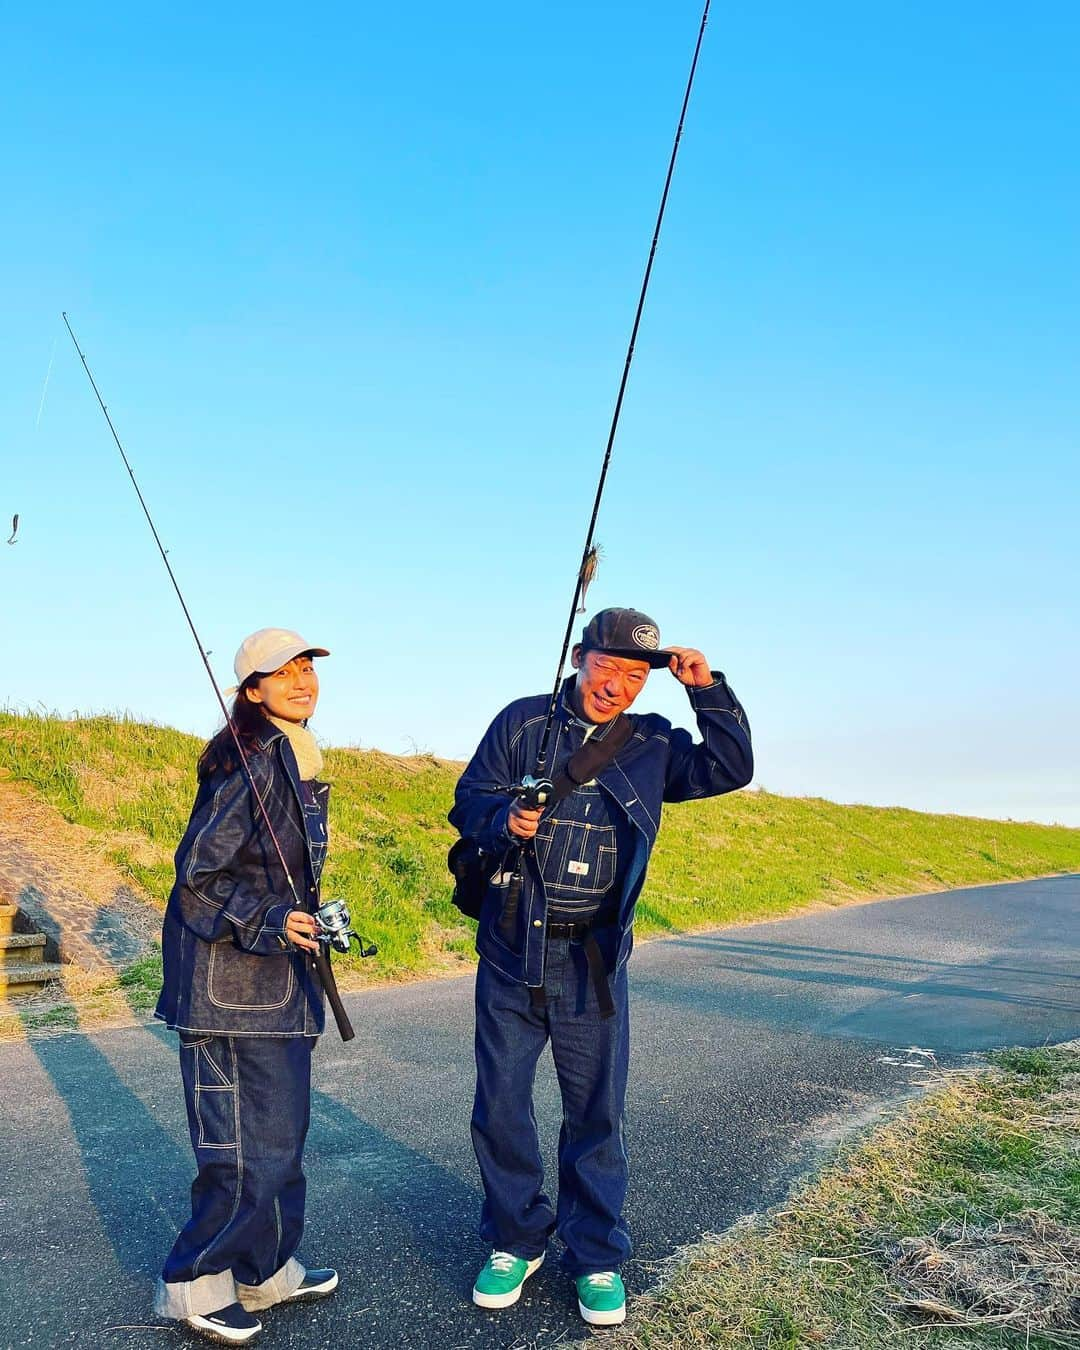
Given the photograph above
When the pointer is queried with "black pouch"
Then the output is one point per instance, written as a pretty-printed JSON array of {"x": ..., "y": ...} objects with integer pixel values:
[{"x": 470, "y": 869}]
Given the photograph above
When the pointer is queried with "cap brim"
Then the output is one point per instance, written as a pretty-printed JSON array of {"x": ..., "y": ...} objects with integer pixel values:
[
  {"x": 658, "y": 660},
  {"x": 287, "y": 654}
]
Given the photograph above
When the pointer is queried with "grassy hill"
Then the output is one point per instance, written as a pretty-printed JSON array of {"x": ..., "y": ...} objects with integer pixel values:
[{"x": 745, "y": 856}]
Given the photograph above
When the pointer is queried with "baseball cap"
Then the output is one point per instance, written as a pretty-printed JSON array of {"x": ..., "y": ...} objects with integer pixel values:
[
  {"x": 268, "y": 650},
  {"x": 626, "y": 632}
]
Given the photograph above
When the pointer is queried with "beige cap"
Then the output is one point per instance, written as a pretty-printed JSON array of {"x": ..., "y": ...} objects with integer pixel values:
[{"x": 268, "y": 650}]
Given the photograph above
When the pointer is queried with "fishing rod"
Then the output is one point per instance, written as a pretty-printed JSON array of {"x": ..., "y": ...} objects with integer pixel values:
[
  {"x": 536, "y": 789},
  {"x": 540, "y": 786},
  {"x": 335, "y": 929}
]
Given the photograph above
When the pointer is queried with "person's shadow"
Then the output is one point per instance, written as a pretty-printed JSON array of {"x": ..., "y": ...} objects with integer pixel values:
[{"x": 375, "y": 1205}]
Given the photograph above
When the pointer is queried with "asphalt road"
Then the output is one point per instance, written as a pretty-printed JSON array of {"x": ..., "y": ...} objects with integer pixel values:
[{"x": 752, "y": 1046}]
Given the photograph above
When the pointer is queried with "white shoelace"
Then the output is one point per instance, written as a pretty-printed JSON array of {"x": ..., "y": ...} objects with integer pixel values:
[
  {"x": 502, "y": 1262},
  {"x": 605, "y": 1279}
]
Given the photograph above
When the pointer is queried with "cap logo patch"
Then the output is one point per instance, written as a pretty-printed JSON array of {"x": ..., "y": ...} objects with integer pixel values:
[{"x": 645, "y": 635}]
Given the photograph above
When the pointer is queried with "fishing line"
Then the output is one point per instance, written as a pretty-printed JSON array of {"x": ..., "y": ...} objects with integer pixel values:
[{"x": 45, "y": 386}]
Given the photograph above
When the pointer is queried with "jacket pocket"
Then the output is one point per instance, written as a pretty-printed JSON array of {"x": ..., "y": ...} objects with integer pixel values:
[{"x": 240, "y": 980}]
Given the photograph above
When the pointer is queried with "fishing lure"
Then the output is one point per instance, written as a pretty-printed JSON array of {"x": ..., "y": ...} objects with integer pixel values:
[{"x": 588, "y": 574}]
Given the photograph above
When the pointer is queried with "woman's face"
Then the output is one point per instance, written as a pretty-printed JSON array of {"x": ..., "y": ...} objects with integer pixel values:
[{"x": 289, "y": 693}]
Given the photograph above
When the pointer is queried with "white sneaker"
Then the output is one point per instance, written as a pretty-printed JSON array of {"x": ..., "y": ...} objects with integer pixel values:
[
  {"x": 233, "y": 1325},
  {"x": 316, "y": 1284}
]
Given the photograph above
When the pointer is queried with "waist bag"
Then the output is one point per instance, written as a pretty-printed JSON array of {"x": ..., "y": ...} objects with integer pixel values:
[{"x": 471, "y": 867}]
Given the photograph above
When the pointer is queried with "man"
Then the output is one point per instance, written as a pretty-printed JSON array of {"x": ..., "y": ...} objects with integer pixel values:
[{"x": 553, "y": 965}]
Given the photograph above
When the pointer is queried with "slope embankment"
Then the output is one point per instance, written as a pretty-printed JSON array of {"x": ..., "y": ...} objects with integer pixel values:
[{"x": 108, "y": 799}]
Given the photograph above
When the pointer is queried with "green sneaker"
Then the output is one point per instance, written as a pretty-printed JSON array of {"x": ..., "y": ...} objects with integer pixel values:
[
  {"x": 499, "y": 1283},
  {"x": 601, "y": 1298}
]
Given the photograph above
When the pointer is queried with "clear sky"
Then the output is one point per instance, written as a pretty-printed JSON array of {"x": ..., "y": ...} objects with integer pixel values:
[{"x": 356, "y": 282}]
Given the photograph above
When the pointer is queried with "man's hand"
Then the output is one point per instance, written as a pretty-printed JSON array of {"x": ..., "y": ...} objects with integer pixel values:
[
  {"x": 300, "y": 929},
  {"x": 690, "y": 667},
  {"x": 523, "y": 820}
]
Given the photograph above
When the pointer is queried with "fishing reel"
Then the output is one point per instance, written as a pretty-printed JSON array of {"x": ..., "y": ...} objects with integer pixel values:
[
  {"x": 533, "y": 793},
  {"x": 332, "y": 928}
]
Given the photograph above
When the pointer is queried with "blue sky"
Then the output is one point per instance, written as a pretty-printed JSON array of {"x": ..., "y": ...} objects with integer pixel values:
[{"x": 357, "y": 283}]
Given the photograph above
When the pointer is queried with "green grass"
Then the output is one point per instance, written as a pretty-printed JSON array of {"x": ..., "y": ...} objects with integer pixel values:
[
  {"x": 140, "y": 982},
  {"x": 746, "y": 856},
  {"x": 868, "y": 1254}
]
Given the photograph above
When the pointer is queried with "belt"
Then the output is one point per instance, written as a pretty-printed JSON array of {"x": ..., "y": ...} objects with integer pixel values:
[
  {"x": 594, "y": 958},
  {"x": 567, "y": 930}
]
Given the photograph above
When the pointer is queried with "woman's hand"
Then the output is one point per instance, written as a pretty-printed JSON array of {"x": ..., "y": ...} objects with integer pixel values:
[{"x": 300, "y": 930}]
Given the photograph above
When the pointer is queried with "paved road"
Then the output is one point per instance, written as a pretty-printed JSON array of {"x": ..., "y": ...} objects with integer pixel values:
[{"x": 751, "y": 1046}]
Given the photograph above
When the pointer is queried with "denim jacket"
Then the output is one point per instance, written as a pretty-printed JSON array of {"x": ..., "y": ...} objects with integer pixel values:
[
  {"x": 229, "y": 968},
  {"x": 658, "y": 764}
]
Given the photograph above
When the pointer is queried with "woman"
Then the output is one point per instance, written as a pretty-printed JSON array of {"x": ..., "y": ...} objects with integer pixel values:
[{"x": 242, "y": 993}]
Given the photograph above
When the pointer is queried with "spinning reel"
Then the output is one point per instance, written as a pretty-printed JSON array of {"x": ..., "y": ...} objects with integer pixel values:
[{"x": 332, "y": 924}]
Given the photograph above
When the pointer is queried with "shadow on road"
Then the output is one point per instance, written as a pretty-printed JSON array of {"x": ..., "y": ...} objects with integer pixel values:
[
  {"x": 891, "y": 998},
  {"x": 797, "y": 951},
  {"x": 373, "y": 1202},
  {"x": 128, "y": 1159}
]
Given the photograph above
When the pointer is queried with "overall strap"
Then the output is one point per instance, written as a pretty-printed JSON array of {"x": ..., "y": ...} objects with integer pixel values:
[
  {"x": 598, "y": 976},
  {"x": 593, "y": 758}
]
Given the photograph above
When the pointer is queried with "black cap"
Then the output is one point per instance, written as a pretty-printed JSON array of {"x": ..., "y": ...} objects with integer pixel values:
[{"x": 626, "y": 632}]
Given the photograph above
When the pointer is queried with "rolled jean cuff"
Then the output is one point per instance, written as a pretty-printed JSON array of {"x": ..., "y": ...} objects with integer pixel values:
[
  {"x": 195, "y": 1298},
  {"x": 256, "y": 1297}
]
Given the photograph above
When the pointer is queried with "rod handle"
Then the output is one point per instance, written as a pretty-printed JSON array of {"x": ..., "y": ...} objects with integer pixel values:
[{"x": 321, "y": 962}]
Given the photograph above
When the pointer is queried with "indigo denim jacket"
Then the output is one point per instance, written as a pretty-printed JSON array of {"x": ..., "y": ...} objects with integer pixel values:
[
  {"x": 229, "y": 969},
  {"x": 658, "y": 764}
]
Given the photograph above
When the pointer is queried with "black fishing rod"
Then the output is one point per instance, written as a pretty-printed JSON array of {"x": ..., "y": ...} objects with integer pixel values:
[
  {"x": 587, "y": 567},
  {"x": 335, "y": 930},
  {"x": 536, "y": 789}
]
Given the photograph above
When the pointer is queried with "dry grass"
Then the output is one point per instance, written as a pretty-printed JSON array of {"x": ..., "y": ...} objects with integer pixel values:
[
  {"x": 955, "y": 1225},
  {"x": 83, "y": 999},
  {"x": 1024, "y": 1272}
]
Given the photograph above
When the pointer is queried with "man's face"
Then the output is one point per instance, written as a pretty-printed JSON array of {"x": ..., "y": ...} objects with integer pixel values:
[{"x": 606, "y": 685}]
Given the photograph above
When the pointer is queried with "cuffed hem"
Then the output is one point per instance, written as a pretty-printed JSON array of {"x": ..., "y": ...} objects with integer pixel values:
[
  {"x": 256, "y": 1297},
  {"x": 195, "y": 1298}
]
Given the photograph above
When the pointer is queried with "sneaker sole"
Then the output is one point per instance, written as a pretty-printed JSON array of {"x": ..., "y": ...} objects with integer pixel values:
[
  {"x": 221, "y": 1334},
  {"x": 599, "y": 1318},
  {"x": 506, "y": 1300},
  {"x": 315, "y": 1291}
]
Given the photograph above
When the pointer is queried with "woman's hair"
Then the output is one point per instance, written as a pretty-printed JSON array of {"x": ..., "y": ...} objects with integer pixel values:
[{"x": 250, "y": 722}]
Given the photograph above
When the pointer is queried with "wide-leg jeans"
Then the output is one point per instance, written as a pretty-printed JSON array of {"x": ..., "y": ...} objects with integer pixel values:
[
  {"x": 248, "y": 1103},
  {"x": 591, "y": 1055}
]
